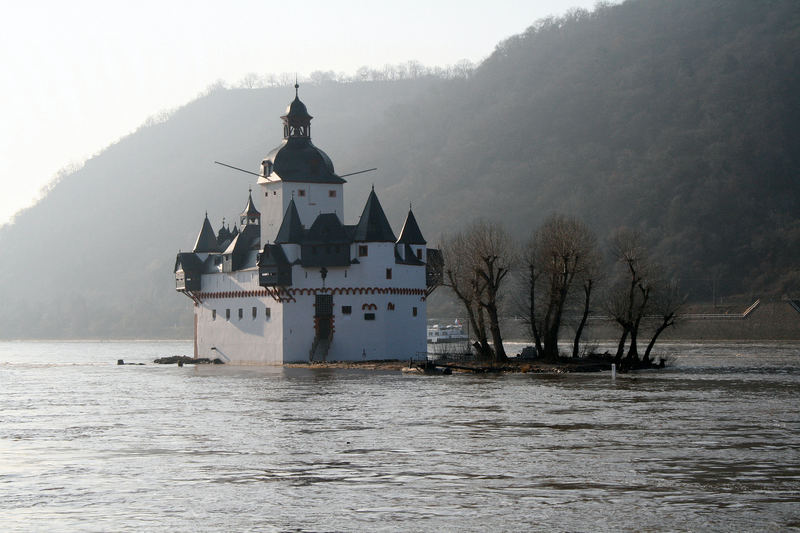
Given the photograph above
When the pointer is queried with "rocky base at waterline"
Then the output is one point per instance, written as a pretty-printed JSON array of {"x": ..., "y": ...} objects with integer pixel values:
[
  {"x": 589, "y": 363},
  {"x": 561, "y": 365},
  {"x": 186, "y": 360}
]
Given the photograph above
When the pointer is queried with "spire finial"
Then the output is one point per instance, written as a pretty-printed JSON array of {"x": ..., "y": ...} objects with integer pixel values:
[
  {"x": 296, "y": 85},
  {"x": 373, "y": 187},
  {"x": 206, "y": 213}
]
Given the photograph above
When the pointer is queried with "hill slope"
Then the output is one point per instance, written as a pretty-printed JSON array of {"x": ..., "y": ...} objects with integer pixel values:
[{"x": 679, "y": 118}]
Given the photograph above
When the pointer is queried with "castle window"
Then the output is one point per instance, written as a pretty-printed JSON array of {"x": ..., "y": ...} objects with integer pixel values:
[
  {"x": 301, "y": 192},
  {"x": 241, "y": 313},
  {"x": 227, "y": 314},
  {"x": 388, "y": 273},
  {"x": 390, "y": 306},
  {"x": 267, "y": 312},
  {"x": 419, "y": 253},
  {"x": 332, "y": 194},
  {"x": 369, "y": 316},
  {"x": 213, "y": 314},
  {"x": 413, "y": 311},
  {"x": 255, "y": 312},
  {"x": 347, "y": 309},
  {"x": 362, "y": 250}
]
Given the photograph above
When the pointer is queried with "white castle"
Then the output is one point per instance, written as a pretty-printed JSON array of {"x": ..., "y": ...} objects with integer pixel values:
[{"x": 293, "y": 282}]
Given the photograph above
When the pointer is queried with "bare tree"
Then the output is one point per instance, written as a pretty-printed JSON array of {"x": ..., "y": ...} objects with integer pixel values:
[
  {"x": 461, "y": 278},
  {"x": 667, "y": 301},
  {"x": 477, "y": 263},
  {"x": 590, "y": 276},
  {"x": 631, "y": 298},
  {"x": 561, "y": 252},
  {"x": 251, "y": 80},
  {"x": 493, "y": 260}
]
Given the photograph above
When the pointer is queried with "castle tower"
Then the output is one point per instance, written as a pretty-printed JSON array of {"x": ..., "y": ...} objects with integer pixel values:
[{"x": 297, "y": 170}]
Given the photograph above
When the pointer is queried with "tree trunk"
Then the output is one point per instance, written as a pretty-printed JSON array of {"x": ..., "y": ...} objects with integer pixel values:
[
  {"x": 494, "y": 329},
  {"x": 667, "y": 322},
  {"x": 621, "y": 345},
  {"x": 537, "y": 339},
  {"x": 587, "y": 292},
  {"x": 486, "y": 350},
  {"x": 633, "y": 350}
]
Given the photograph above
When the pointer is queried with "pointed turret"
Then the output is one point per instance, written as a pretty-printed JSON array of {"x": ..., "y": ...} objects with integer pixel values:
[
  {"x": 206, "y": 240},
  {"x": 250, "y": 215},
  {"x": 291, "y": 230},
  {"x": 373, "y": 225},
  {"x": 411, "y": 234}
]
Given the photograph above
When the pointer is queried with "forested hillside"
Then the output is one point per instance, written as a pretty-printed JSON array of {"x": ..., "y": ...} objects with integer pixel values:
[{"x": 679, "y": 118}]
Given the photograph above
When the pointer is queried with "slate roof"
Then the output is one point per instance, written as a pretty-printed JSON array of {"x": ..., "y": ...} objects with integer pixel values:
[
  {"x": 291, "y": 230},
  {"x": 327, "y": 228},
  {"x": 272, "y": 255},
  {"x": 373, "y": 225},
  {"x": 297, "y": 159},
  {"x": 206, "y": 240},
  {"x": 411, "y": 257},
  {"x": 188, "y": 261},
  {"x": 411, "y": 234},
  {"x": 250, "y": 210},
  {"x": 297, "y": 109},
  {"x": 245, "y": 242}
]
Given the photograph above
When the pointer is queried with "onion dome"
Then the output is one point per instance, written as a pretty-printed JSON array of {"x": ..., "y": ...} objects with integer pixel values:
[
  {"x": 296, "y": 158},
  {"x": 250, "y": 215}
]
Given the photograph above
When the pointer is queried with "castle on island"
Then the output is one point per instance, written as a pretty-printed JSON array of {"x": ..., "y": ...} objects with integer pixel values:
[{"x": 293, "y": 282}]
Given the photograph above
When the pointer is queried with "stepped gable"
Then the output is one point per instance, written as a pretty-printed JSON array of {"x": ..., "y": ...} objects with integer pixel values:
[
  {"x": 411, "y": 234},
  {"x": 373, "y": 225},
  {"x": 291, "y": 230},
  {"x": 206, "y": 240},
  {"x": 296, "y": 158}
]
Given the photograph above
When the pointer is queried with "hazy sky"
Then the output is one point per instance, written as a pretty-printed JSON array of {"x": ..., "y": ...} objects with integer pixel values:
[{"x": 78, "y": 75}]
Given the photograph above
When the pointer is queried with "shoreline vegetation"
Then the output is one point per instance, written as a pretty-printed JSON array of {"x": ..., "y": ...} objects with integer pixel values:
[{"x": 515, "y": 365}]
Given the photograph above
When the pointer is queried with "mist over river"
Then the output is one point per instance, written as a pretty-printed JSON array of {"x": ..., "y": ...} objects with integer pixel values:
[{"x": 710, "y": 443}]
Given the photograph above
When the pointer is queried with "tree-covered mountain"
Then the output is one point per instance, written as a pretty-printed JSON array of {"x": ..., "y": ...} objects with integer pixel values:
[{"x": 678, "y": 118}]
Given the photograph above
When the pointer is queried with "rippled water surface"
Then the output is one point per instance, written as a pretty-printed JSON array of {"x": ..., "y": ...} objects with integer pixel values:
[{"x": 711, "y": 443}]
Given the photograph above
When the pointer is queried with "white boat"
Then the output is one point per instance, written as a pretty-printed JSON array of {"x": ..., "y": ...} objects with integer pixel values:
[{"x": 446, "y": 334}]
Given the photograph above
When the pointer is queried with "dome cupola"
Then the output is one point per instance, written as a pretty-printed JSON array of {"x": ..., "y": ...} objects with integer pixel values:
[{"x": 296, "y": 121}]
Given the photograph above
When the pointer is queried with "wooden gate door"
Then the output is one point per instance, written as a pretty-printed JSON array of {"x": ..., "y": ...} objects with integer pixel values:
[{"x": 323, "y": 315}]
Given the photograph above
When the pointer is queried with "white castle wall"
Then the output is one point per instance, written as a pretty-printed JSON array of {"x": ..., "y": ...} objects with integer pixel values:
[
  {"x": 316, "y": 199},
  {"x": 289, "y": 333},
  {"x": 238, "y": 340}
]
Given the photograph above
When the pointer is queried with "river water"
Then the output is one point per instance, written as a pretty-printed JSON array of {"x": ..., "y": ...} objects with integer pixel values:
[{"x": 710, "y": 443}]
